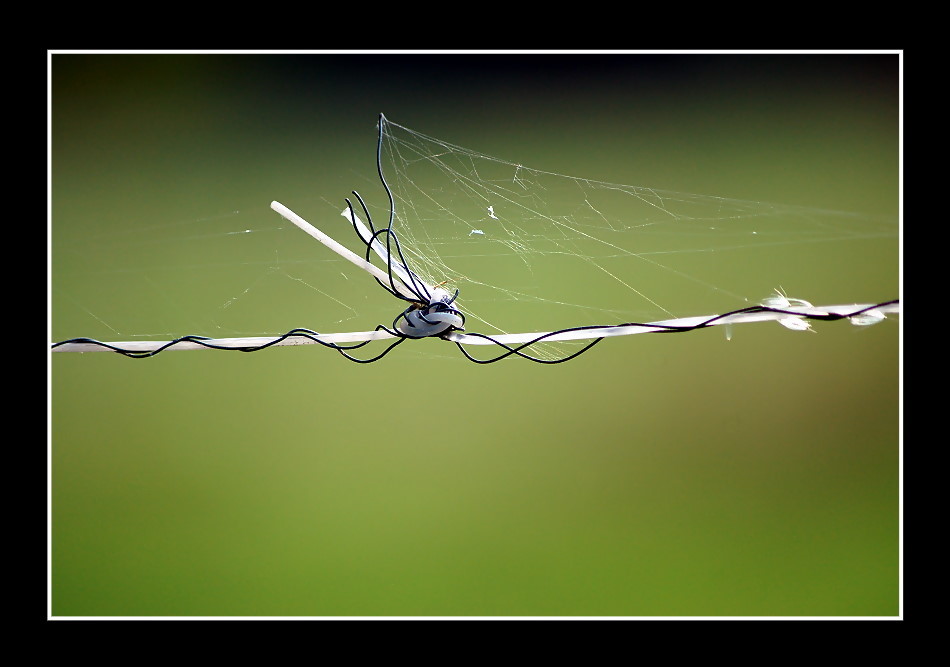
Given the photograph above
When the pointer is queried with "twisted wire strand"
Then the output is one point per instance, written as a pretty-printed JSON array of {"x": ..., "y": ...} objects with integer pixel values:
[
  {"x": 652, "y": 327},
  {"x": 508, "y": 350}
]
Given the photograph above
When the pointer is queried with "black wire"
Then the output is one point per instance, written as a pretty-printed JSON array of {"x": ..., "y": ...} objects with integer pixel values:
[
  {"x": 657, "y": 328},
  {"x": 416, "y": 285},
  {"x": 204, "y": 342}
]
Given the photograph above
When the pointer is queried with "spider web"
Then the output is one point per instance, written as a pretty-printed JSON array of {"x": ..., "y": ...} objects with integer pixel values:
[
  {"x": 532, "y": 250},
  {"x": 528, "y": 250}
]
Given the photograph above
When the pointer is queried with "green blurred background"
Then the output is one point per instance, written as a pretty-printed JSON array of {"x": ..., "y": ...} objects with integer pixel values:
[{"x": 653, "y": 476}]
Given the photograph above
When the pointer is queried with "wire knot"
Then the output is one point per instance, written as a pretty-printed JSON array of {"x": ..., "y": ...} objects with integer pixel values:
[{"x": 436, "y": 318}]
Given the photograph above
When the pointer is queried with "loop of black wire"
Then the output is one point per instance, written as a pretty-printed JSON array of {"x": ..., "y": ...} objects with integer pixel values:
[{"x": 416, "y": 286}]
